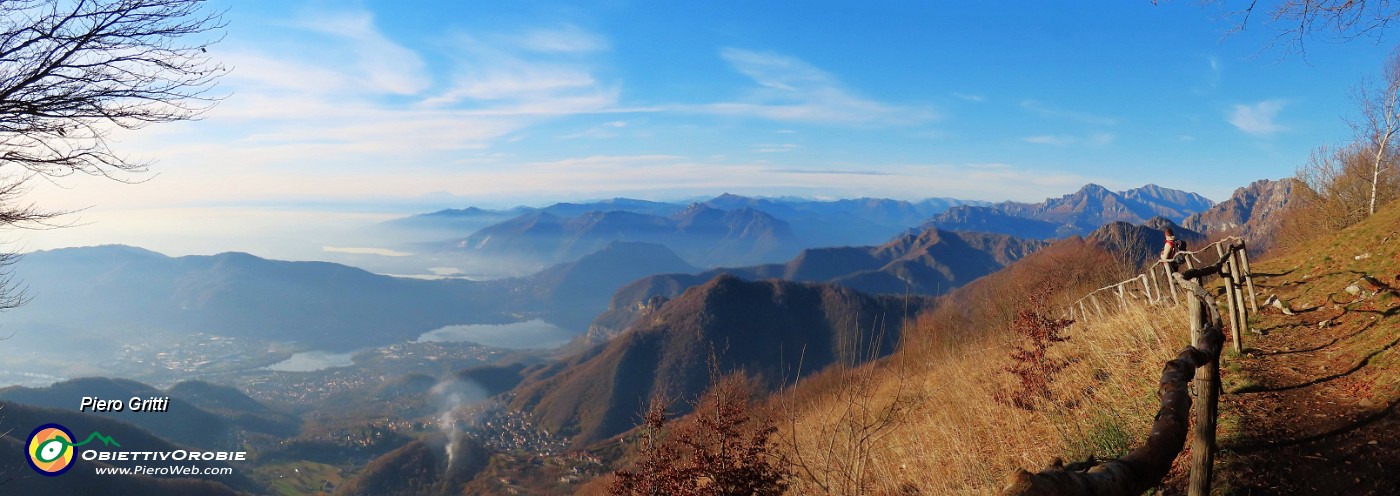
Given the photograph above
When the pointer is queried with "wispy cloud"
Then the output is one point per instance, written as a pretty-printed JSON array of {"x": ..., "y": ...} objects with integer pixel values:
[
  {"x": 1214, "y": 75},
  {"x": 790, "y": 89},
  {"x": 563, "y": 39},
  {"x": 605, "y": 130},
  {"x": 378, "y": 63},
  {"x": 1258, "y": 119},
  {"x": 776, "y": 148},
  {"x": 970, "y": 97},
  {"x": 1091, "y": 139},
  {"x": 1049, "y": 112},
  {"x": 361, "y": 98},
  {"x": 839, "y": 172},
  {"x": 539, "y": 65}
]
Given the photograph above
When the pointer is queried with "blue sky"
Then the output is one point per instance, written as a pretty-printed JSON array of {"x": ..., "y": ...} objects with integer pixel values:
[{"x": 381, "y": 108}]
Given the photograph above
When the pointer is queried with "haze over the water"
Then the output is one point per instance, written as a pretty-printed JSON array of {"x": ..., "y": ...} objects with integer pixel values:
[{"x": 340, "y": 116}]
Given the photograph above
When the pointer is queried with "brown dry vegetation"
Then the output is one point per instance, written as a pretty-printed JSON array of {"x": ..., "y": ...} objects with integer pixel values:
[{"x": 927, "y": 420}]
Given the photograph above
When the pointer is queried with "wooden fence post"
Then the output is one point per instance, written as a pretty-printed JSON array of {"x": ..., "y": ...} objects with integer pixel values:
[
  {"x": 1170, "y": 283},
  {"x": 1156, "y": 286},
  {"x": 1248, "y": 277},
  {"x": 1122, "y": 302},
  {"x": 1232, "y": 296},
  {"x": 1097, "y": 307},
  {"x": 1241, "y": 315},
  {"x": 1207, "y": 396},
  {"x": 1230, "y": 305},
  {"x": 1146, "y": 290}
]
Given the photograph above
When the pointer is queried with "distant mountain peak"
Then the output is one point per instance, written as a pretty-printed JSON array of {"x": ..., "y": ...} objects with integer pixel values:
[{"x": 1094, "y": 189}]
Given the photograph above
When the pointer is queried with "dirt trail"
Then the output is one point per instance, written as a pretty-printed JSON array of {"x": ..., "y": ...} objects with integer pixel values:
[{"x": 1310, "y": 407}]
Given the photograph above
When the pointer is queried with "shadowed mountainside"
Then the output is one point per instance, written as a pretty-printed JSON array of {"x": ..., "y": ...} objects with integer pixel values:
[
  {"x": 930, "y": 262},
  {"x": 777, "y": 330},
  {"x": 1138, "y": 244}
]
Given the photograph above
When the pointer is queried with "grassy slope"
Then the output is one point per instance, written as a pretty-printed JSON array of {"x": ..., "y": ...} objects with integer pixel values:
[
  {"x": 953, "y": 434},
  {"x": 1310, "y": 407}
]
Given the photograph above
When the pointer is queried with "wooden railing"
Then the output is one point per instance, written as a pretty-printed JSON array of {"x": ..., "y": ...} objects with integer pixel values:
[{"x": 1145, "y": 466}]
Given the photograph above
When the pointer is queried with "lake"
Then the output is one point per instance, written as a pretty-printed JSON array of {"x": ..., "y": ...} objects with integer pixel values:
[
  {"x": 516, "y": 335},
  {"x": 311, "y": 361}
]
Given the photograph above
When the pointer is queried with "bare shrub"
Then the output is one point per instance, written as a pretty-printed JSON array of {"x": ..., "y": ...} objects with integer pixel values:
[
  {"x": 835, "y": 449},
  {"x": 1031, "y": 364},
  {"x": 724, "y": 448}
]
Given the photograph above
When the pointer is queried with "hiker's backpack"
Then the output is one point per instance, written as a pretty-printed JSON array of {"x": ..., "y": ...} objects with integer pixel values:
[{"x": 1178, "y": 253}]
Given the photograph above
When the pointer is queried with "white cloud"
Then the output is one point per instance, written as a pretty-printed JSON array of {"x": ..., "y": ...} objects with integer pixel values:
[
  {"x": 379, "y": 63},
  {"x": 776, "y": 148},
  {"x": 970, "y": 97},
  {"x": 1091, "y": 139},
  {"x": 356, "y": 98},
  {"x": 1257, "y": 119},
  {"x": 564, "y": 39},
  {"x": 793, "y": 90}
]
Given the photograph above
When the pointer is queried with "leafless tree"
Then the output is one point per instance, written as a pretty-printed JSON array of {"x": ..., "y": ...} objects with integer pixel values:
[
  {"x": 1334, "y": 189},
  {"x": 1379, "y": 103},
  {"x": 72, "y": 72},
  {"x": 1296, "y": 21}
]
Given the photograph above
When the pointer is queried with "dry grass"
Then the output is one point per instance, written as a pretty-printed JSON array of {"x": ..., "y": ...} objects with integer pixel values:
[{"x": 956, "y": 437}]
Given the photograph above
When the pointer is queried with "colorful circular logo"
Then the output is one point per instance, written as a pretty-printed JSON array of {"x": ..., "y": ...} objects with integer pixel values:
[{"x": 50, "y": 449}]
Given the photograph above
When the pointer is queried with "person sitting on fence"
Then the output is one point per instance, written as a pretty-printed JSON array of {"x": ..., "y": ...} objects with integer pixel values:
[{"x": 1172, "y": 253}]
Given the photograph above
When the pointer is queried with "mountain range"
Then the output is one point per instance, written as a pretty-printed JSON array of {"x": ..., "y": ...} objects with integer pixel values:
[
  {"x": 930, "y": 262},
  {"x": 99, "y": 296},
  {"x": 700, "y": 233},
  {"x": 96, "y": 298},
  {"x": 1078, "y": 213},
  {"x": 726, "y": 230}
]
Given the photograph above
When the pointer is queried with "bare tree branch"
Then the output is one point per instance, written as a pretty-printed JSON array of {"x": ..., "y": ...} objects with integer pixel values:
[
  {"x": 74, "y": 71},
  {"x": 1298, "y": 21}
]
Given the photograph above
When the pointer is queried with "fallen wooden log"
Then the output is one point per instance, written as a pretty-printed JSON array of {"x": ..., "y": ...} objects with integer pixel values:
[{"x": 1145, "y": 466}]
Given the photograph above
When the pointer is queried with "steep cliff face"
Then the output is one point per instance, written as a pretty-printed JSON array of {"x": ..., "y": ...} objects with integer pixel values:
[{"x": 1252, "y": 212}]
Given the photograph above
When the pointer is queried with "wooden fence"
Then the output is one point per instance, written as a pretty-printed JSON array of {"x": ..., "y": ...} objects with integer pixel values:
[{"x": 1145, "y": 466}]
